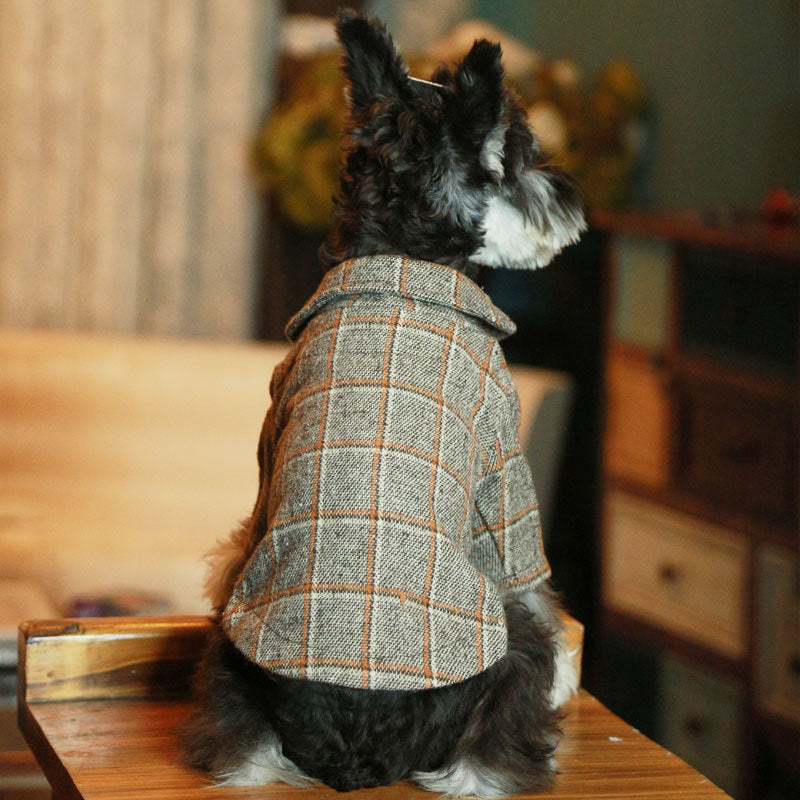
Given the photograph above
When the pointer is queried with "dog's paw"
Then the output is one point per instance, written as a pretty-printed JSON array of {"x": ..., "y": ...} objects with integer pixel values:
[
  {"x": 566, "y": 682},
  {"x": 462, "y": 779},
  {"x": 265, "y": 764}
]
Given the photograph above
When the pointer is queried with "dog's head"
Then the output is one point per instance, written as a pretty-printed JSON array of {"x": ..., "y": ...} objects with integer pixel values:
[{"x": 444, "y": 170}]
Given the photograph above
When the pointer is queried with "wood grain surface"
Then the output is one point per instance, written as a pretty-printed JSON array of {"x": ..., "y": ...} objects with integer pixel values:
[
  {"x": 125, "y": 459},
  {"x": 127, "y": 749},
  {"x": 133, "y": 657},
  {"x": 124, "y": 745},
  {"x": 84, "y": 659}
]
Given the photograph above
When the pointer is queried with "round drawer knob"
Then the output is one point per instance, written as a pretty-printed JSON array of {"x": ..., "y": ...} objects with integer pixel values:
[
  {"x": 695, "y": 726},
  {"x": 668, "y": 573},
  {"x": 741, "y": 452}
]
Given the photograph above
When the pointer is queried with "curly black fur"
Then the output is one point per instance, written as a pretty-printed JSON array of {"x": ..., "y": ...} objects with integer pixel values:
[
  {"x": 513, "y": 732},
  {"x": 231, "y": 711},
  {"x": 498, "y": 722},
  {"x": 412, "y": 182}
]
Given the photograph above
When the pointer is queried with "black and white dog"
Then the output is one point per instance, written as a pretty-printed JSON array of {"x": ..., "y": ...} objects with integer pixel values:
[{"x": 445, "y": 172}]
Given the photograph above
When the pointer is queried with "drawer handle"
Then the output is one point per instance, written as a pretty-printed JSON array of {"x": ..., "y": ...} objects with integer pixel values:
[
  {"x": 695, "y": 726},
  {"x": 668, "y": 573},
  {"x": 741, "y": 452},
  {"x": 794, "y": 666}
]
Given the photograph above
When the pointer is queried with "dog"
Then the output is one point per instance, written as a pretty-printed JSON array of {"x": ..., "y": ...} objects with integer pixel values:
[{"x": 385, "y": 613}]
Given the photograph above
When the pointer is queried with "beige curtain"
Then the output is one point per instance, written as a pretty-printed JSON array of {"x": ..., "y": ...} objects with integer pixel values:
[{"x": 125, "y": 199}]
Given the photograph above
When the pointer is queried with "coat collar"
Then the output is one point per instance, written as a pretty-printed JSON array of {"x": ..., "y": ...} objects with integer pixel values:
[{"x": 406, "y": 277}]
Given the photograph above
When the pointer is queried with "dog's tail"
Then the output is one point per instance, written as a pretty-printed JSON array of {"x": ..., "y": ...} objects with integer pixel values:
[{"x": 225, "y": 563}]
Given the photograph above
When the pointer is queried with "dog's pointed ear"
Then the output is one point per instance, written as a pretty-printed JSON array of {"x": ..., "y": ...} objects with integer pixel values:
[
  {"x": 480, "y": 101},
  {"x": 372, "y": 65}
]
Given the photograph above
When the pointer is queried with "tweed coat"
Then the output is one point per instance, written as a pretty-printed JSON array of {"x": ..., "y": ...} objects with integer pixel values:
[{"x": 395, "y": 506}]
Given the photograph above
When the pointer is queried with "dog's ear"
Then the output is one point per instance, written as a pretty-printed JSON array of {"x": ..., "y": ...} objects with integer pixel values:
[
  {"x": 372, "y": 64},
  {"x": 480, "y": 103}
]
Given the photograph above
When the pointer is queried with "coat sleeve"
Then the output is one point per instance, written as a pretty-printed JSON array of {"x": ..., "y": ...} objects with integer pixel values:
[{"x": 507, "y": 539}]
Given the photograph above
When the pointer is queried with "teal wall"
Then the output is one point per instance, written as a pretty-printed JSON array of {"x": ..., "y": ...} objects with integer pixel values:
[{"x": 723, "y": 77}]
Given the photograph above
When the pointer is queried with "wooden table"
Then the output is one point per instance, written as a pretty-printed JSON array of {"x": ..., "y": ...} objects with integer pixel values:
[{"x": 100, "y": 701}]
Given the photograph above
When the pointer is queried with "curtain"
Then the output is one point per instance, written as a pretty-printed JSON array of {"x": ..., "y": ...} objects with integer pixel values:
[{"x": 125, "y": 198}]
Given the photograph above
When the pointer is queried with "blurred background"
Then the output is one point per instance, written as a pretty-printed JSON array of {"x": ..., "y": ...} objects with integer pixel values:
[{"x": 167, "y": 173}]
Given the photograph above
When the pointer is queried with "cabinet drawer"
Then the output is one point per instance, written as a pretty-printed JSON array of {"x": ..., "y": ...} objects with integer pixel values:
[
  {"x": 642, "y": 276},
  {"x": 701, "y": 720},
  {"x": 737, "y": 449},
  {"x": 778, "y": 634},
  {"x": 637, "y": 421},
  {"x": 741, "y": 311},
  {"x": 686, "y": 576}
]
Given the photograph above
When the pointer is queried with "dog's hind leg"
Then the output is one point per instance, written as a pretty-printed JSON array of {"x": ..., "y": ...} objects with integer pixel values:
[
  {"x": 511, "y": 734},
  {"x": 264, "y": 763},
  {"x": 229, "y": 733}
]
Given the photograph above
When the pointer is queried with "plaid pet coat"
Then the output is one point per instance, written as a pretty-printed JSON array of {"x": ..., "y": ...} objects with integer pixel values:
[{"x": 395, "y": 504}]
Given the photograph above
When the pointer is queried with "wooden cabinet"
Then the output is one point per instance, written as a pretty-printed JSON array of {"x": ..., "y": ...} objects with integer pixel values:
[
  {"x": 643, "y": 268},
  {"x": 702, "y": 717},
  {"x": 737, "y": 449},
  {"x": 638, "y": 418},
  {"x": 661, "y": 567},
  {"x": 777, "y": 656},
  {"x": 700, "y": 488}
]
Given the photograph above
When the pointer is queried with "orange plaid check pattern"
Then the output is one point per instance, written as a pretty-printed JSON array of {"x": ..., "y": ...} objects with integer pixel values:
[{"x": 395, "y": 505}]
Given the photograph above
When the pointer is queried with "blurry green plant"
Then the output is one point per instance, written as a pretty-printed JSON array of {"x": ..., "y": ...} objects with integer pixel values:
[{"x": 298, "y": 150}]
